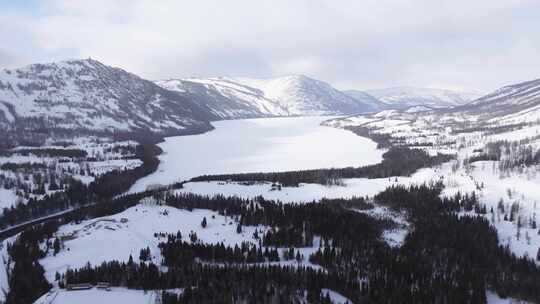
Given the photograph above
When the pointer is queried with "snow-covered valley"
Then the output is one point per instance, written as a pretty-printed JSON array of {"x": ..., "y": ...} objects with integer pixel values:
[{"x": 487, "y": 164}]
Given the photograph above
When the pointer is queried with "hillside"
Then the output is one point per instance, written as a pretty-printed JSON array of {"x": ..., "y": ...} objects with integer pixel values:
[
  {"x": 367, "y": 99},
  {"x": 88, "y": 95},
  {"x": 514, "y": 103},
  {"x": 404, "y": 97},
  {"x": 295, "y": 95},
  {"x": 225, "y": 98},
  {"x": 302, "y": 95}
]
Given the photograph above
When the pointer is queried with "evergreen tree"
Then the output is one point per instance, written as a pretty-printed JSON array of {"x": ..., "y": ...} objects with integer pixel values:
[{"x": 203, "y": 223}]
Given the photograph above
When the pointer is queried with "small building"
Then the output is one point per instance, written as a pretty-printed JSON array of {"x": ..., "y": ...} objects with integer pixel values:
[
  {"x": 80, "y": 286},
  {"x": 103, "y": 285}
]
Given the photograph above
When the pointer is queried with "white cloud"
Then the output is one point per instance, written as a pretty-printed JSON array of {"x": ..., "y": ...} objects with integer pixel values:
[{"x": 354, "y": 44}]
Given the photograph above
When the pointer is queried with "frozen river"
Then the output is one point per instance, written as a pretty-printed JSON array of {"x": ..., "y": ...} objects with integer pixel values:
[{"x": 260, "y": 145}]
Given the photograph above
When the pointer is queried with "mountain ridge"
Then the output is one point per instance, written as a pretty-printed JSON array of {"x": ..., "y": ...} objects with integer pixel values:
[
  {"x": 519, "y": 102},
  {"x": 292, "y": 95},
  {"x": 88, "y": 95},
  {"x": 405, "y": 96}
]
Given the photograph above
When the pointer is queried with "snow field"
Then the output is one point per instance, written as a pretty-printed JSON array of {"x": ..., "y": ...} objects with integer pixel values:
[
  {"x": 4, "y": 257},
  {"x": 94, "y": 295},
  {"x": 304, "y": 193},
  {"x": 113, "y": 238},
  {"x": 335, "y": 297}
]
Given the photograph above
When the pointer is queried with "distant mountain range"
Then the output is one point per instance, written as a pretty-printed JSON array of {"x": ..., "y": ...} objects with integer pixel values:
[
  {"x": 88, "y": 95},
  {"x": 404, "y": 97},
  {"x": 295, "y": 95}
]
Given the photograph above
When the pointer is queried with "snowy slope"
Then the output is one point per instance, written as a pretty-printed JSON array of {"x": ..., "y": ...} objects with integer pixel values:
[
  {"x": 249, "y": 97},
  {"x": 367, "y": 99},
  {"x": 4, "y": 258},
  {"x": 133, "y": 229},
  {"x": 94, "y": 295},
  {"x": 86, "y": 94},
  {"x": 226, "y": 98},
  {"x": 302, "y": 95},
  {"x": 404, "y": 97},
  {"x": 514, "y": 103}
]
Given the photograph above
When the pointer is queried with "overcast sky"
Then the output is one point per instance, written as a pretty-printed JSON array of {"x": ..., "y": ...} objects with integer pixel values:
[{"x": 464, "y": 44}]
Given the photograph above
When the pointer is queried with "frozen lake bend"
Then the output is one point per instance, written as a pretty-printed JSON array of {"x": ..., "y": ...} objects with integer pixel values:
[{"x": 260, "y": 145}]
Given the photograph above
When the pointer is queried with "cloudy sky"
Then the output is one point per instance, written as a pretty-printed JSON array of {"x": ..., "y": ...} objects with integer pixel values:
[{"x": 462, "y": 44}]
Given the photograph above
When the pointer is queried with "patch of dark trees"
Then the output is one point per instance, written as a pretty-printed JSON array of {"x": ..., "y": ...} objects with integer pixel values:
[
  {"x": 218, "y": 284},
  {"x": 35, "y": 131},
  {"x": 489, "y": 129},
  {"x": 25, "y": 167},
  {"x": 119, "y": 181},
  {"x": 384, "y": 141},
  {"x": 50, "y": 152},
  {"x": 519, "y": 153},
  {"x": 397, "y": 161},
  {"x": 26, "y": 278},
  {"x": 327, "y": 217},
  {"x": 176, "y": 253}
]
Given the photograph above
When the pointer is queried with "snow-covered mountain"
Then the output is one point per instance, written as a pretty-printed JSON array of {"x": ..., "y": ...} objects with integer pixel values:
[
  {"x": 302, "y": 95},
  {"x": 404, "y": 97},
  {"x": 282, "y": 96},
  {"x": 367, "y": 99},
  {"x": 86, "y": 94},
  {"x": 225, "y": 98},
  {"x": 512, "y": 104}
]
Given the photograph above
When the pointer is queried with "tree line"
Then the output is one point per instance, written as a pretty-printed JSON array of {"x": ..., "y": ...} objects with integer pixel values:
[{"x": 397, "y": 161}]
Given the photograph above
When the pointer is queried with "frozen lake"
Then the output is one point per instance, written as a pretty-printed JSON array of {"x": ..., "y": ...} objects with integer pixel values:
[{"x": 261, "y": 145}]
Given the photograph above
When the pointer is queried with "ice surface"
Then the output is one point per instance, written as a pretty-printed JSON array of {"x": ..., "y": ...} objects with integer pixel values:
[{"x": 257, "y": 145}]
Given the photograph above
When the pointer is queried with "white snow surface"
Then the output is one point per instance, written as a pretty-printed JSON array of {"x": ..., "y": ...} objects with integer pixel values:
[
  {"x": 88, "y": 94},
  {"x": 260, "y": 145},
  {"x": 108, "y": 238},
  {"x": 301, "y": 194},
  {"x": 94, "y": 295},
  {"x": 335, "y": 297},
  {"x": 8, "y": 198},
  {"x": 403, "y": 97},
  {"x": 293, "y": 95},
  {"x": 493, "y": 298},
  {"x": 233, "y": 99},
  {"x": 302, "y": 95},
  {"x": 4, "y": 256}
]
